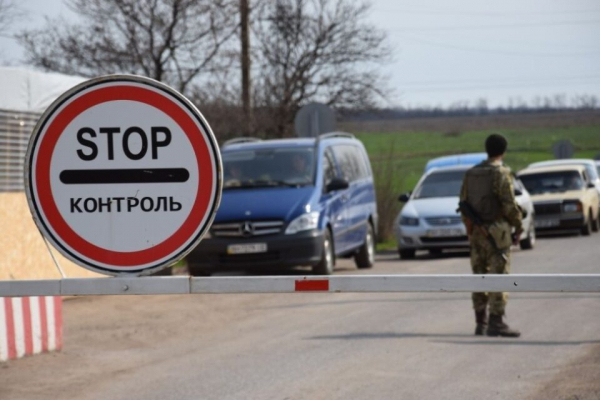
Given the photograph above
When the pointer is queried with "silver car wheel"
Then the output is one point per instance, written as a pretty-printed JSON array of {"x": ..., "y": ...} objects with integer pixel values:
[
  {"x": 328, "y": 255},
  {"x": 370, "y": 247}
]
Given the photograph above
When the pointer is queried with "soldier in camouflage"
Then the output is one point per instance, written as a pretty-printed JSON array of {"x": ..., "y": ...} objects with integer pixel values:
[{"x": 488, "y": 188}]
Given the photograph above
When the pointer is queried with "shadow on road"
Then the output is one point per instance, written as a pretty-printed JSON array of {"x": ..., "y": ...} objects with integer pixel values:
[
  {"x": 519, "y": 342},
  {"x": 388, "y": 335},
  {"x": 272, "y": 271},
  {"x": 382, "y": 257},
  {"x": 484, "y": 340},
  {"x": 557, "y": 235},
  {"x": 392, "y": 255},
  {"x": 432, "y": 298},
  {"x": 387, "y": 256}
]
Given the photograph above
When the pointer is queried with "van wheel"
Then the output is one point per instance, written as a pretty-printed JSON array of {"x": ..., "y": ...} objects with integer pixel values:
[
  {"x": 407, "y": 254},
  {"x": 587, "y": 228},
  {"x": 365, "y": 258},
  {"x": 596, "y": 224},
  {"x": 325, "y": 266},
  {"x": 529, "y": 242}
]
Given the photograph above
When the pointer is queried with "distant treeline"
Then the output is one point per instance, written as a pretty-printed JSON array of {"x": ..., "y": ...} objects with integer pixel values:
[{"x": 546, "y": 105}]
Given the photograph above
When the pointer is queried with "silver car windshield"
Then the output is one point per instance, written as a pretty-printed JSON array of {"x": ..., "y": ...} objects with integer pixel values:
[
  {"x": 440, "y": 184},
  {"x": 550, "y": 182},
  {"x": 293, "y": 166}
]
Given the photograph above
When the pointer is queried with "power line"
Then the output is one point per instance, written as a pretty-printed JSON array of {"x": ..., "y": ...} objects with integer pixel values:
[
  {"x": 494, "y": 26},
  {"x": 515, "y": 13},
  {"x": 509, "y": 80},
  {"x": 498, "y": 52},
  {"x": 492, "y": 87}
]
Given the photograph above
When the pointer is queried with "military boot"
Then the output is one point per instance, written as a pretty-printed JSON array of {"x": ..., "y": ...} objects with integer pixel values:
[
  {"x": 497, "y": 327},
  {"x": 482, "y": 322}
]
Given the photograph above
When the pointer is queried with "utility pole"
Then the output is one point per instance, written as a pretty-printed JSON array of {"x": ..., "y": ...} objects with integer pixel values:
[{"x": 245, "y": 61}]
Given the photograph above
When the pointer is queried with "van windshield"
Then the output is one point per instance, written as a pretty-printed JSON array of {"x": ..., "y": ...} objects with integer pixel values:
[
  {"x": 293, "y": 166},
  {"x": 441, "y": 184},
  {"x": 551, "y": 182}
]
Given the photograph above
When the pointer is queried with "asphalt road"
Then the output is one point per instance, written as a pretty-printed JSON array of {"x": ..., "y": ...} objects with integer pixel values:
[{"x": 329, "y": 346}]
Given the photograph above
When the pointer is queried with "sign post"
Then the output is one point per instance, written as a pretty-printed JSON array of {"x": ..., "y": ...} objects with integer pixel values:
[
  {"x": 562, "y": 149},
  {"x": 313, "y": 120},
  {"x": 123, "y": 175}
]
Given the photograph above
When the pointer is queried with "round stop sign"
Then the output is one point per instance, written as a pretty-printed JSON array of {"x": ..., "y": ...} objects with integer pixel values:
[{"x": 123, "y": 175}]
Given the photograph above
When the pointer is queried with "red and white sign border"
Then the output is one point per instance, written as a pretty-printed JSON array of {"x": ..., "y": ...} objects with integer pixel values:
[{"x": 115, "y": 263}]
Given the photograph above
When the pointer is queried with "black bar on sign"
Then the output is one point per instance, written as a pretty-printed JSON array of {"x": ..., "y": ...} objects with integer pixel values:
[{"x": 146, "y": 175}]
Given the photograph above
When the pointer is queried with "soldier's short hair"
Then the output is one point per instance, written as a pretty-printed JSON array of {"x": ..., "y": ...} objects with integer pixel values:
[{"x": 495, "y": 145}]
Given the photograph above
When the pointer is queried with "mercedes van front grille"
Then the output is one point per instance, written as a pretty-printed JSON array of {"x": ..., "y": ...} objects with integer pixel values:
[{"x": 247, "y": 228}]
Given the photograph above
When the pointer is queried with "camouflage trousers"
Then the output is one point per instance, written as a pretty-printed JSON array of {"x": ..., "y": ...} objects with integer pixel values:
[{"x": 486, "y": 260}]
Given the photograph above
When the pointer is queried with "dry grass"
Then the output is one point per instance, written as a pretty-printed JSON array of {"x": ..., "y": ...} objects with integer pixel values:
[{"x": 386, "y": 187}]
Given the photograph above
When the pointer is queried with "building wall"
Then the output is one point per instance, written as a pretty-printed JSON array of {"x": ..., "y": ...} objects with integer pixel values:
[{"x": 23, "y": 253}]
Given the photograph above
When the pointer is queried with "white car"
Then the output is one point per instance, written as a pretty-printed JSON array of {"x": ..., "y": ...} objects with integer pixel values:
[{"x": 430, "y": 221}]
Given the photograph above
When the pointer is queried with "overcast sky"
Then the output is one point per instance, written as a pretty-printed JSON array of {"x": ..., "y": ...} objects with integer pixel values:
[{"x": 447, "y": 51}]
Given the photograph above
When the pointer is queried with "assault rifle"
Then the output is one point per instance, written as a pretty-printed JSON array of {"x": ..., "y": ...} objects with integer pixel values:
[{"x": 466, "y": 209}]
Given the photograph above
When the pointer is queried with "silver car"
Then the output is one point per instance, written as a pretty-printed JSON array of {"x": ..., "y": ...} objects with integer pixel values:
[{"x": 429, "y": 220}]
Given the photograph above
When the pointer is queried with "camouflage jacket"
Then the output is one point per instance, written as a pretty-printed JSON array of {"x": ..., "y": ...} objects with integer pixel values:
[{"x": 503, "y": 189}]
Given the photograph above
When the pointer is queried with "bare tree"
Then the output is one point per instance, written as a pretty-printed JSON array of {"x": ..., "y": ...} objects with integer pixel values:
[
  {"x": 173, "y": 41},
  {"x": 316, "y": 50},
  {"x": 9, "y": 11},
  {"x": 585, "y": 101}
]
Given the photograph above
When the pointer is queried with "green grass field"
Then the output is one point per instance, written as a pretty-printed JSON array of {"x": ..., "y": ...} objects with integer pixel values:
[
  {"x": 410, "y": 151},
  {"x": 398, "y": 159}
]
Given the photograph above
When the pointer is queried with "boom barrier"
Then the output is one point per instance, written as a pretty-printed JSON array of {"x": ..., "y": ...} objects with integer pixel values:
[{"x": 310, "y": 284}]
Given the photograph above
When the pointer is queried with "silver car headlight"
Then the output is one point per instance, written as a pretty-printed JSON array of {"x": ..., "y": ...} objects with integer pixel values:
[
  {"x": 304, "y": 222},
  {"x": 409, "y": 221}
]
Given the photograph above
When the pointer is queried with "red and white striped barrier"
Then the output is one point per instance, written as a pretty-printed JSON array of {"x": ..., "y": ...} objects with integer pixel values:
[
  {"x": 29, "y": 325},
  {"x": 162, "y": 285}
]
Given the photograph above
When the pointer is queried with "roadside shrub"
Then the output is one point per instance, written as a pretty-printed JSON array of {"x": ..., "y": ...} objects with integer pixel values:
[
  {"x": 452, "y": 133},
  {"x": 387, "y": 183}
]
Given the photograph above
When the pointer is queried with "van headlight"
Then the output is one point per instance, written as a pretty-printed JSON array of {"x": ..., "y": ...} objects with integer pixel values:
[
  {"x": 303, "y": 223},
  {"x": 409, "y": 221}
]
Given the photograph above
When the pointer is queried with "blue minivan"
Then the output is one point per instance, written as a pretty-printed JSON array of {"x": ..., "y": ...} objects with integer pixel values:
[{"x": 291, "y": 202}]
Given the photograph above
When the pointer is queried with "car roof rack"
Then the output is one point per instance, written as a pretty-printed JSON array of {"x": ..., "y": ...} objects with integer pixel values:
[
  {"x": 336, "y": 135},
  {"x": 245, "y": 139}
]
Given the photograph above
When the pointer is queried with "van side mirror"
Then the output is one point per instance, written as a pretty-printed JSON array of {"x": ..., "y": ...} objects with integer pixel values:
[
  {"x": 337, "y": 184},
  {"x": 404, "y": 197},
  {"x": 518, "y": 192},
  {"x": 591, "y": 185}
]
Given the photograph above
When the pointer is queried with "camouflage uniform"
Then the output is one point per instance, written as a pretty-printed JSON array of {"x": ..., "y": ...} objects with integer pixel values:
[{"x": 484, "y": 259}]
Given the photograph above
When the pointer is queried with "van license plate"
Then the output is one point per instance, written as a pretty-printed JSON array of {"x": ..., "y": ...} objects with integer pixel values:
[
  {"x": 249, "y": 248},
  {"x": 546, "y": 223}
]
